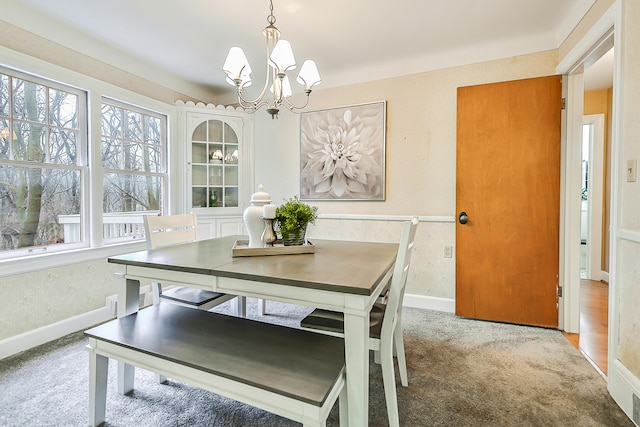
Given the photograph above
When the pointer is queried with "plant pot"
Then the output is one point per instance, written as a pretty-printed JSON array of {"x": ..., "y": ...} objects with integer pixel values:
[{"x": 295, "y": 239}]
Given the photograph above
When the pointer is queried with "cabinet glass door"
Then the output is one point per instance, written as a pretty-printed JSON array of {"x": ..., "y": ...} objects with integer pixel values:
[{"x": 214, "y": 159}]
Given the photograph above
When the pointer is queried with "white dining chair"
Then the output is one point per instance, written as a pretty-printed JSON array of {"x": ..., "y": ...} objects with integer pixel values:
[
  {"x": 385, "y": 334},
  {"x": 169, "y": 230}
]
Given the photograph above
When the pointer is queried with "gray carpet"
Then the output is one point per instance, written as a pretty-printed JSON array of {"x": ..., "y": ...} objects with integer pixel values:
[{"x": 461, "y": 373}]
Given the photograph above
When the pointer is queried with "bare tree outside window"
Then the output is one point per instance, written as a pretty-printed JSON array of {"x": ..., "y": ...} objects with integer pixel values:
[
  {"x": 40, "y": 173},
  {"x": 133, "y": 159}
]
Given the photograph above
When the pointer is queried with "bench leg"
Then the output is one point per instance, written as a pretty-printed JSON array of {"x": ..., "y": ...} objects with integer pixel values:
[{"x": 98, "y": 373}]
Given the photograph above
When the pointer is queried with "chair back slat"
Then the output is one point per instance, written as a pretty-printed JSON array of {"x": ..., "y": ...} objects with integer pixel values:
[
  {"x": 399, "y": 278},
  {"x": 170, "y": 229}
]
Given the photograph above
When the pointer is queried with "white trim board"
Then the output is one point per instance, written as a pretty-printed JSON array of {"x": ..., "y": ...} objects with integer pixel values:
[
  {"x": 359, "y": 217},
  {"x": 623, "y": 384},
  {"x": 25, "y": 341},
  {"x": 16, "y": 344},
  {"x": 447, "y": 305}
]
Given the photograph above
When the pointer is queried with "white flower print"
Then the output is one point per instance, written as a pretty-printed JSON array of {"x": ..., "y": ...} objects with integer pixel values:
[{"x": 342, "y": 153}]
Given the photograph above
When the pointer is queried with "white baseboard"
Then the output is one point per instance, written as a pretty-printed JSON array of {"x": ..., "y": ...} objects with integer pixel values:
[
  {"x": 622, "y": 385},
  {"x": 16, "y": 344},
  {"x": 25, "y": 341},
  {"x": 447, "y": 305}
]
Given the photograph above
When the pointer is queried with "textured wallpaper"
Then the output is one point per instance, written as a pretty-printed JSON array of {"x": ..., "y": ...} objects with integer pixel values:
[
  {"x": 32, "y": 300},
  {"x": 430, "y": 274}
]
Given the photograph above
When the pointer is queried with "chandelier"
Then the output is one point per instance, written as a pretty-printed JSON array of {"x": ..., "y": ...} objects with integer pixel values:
[{"x": 280, "y": 60}]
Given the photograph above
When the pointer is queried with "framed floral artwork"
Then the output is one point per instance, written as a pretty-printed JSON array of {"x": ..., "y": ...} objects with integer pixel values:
[{"x": 342, "y": 153}]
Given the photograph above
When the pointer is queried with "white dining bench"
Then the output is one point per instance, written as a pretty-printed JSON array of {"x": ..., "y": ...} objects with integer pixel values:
[{"x": 296, "y": 374}]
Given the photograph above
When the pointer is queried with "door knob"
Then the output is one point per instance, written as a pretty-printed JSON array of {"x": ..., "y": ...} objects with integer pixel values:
[{"x": 463, "y": 218}]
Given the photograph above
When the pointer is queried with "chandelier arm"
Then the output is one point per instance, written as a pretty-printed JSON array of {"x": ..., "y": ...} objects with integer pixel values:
[
  {"x": 292, "y": 106},
  {"x": 251, "y": 103}
]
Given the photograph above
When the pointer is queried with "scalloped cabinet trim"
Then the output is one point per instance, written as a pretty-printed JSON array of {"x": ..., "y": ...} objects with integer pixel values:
[{"x": 180, "y": 103}]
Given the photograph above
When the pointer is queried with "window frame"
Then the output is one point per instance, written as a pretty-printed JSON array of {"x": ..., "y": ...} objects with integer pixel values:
[
  {"x": 163, "y": 174},
  {"x": 81, "y": 165},
  {"x": 95, "y": 248}
]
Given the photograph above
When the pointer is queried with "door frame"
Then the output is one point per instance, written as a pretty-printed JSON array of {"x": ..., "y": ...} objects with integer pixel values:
[
  {"x": 598, "y": 40},
  {"x": 595, "y": 199},
  {"x": 589, "y": 49}
]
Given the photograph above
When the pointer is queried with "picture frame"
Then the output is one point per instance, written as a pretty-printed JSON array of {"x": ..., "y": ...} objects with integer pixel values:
[{"x": 342, "y": 153}]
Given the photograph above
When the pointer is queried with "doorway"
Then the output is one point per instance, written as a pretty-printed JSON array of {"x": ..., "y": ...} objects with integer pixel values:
[{"x": 596, "y": 135}]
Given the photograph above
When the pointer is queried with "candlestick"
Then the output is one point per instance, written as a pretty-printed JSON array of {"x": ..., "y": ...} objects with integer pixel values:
[{"x": 268, "y": 236}]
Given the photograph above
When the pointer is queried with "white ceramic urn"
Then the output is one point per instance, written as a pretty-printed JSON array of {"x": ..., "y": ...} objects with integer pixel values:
[{"x": 253, "y": 217}]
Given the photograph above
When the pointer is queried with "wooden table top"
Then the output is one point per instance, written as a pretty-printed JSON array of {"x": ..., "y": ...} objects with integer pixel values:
[{"x": 336, "y": 265}]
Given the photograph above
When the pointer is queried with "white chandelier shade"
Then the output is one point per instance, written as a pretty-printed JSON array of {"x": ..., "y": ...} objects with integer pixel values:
[{"x": 281, "y": 60}]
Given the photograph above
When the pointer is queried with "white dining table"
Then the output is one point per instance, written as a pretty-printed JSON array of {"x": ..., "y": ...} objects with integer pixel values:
[{"x": 343, "y": 276}]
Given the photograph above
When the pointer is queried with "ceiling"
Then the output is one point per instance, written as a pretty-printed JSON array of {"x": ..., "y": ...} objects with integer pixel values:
[{"x": 185, "y": 42}]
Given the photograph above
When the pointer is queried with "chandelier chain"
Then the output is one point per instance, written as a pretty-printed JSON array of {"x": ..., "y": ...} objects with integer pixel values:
[{"x": 271, "y": 19}]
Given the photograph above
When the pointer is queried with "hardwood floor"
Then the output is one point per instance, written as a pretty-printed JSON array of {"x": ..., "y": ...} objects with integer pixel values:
[{"x": 594, "y": 311}]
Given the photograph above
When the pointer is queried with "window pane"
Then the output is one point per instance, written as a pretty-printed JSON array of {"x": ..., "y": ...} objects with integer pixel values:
[
  {"x": 131, "y": 193},
  {"x": 142, "y": 157},
  {"x": 153, "y": 132},
  {"x": 30, "y": 143},
  {"x": 134, "y": 126},
  {"x": 63, "y": 145},
  {"x": 152, "y": 158},
  {"x": 111, "y": 121},
  {"x": 5, "y": 89},
  {"x": 38, "y": 206},
  {"x": 133, "y": 144},
  {"x": 64, "y": 109},
  {"x": 6, "y": 139},
  {"x": 111, "y": 154},
  {"x": 29, "y": 101}
]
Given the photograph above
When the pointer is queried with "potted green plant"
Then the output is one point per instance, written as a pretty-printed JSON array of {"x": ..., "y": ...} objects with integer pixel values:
[{"x": 292, "y": 219}]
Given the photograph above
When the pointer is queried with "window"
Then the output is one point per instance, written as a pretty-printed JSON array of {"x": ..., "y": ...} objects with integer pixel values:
[
  {"x": 48, "y": 203},
  {"x": 43, "y": 170},
  {"x": 134, "y": 166}
]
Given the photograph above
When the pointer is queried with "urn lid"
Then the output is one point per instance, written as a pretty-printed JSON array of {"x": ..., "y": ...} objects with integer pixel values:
[{"x": 260, "y": 196}]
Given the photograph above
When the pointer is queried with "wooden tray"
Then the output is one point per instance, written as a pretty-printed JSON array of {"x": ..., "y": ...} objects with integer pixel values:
[{"x": 241, "y": 248}]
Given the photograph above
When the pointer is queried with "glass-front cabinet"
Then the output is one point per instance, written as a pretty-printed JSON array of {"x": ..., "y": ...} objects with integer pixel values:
[
  {"x": 219, "y": 178},
  {"x": 214, "y": 165}
]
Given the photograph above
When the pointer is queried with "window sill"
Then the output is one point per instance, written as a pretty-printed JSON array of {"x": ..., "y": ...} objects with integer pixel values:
[{"x": 45, "y": 261}]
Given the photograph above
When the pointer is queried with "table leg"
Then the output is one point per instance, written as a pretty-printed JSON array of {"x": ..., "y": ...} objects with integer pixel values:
[
  {"x": 239, "y": 306},
  {"x": 356, "y": 336},
  {"x": 128, "y": 302}
]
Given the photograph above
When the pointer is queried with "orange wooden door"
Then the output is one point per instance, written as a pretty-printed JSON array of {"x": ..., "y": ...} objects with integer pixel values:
[{"x": 508, "y": 183}]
